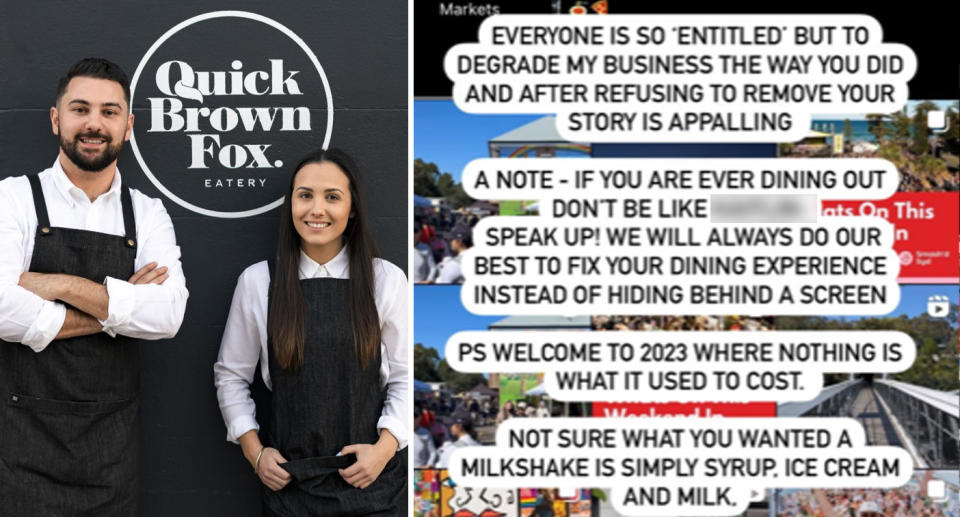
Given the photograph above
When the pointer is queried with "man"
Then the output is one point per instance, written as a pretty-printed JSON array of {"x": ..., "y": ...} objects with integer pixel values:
[
  {"x": 450, "y": 272},
  {"x": 424, "y": 453},
  {"x": 463, "y": 436},
  {"x": 424, "y": 267},
  {"x": 474, "y": 409},
  {"x": 87, "y": 267}
]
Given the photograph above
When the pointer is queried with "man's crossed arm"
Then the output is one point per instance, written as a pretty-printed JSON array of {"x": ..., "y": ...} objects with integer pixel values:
[{"x": 88, "y": 301}]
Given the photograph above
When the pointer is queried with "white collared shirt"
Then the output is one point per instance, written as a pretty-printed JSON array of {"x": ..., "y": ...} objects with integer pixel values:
[
  {"x": 450, "y": 271},
  {"x": 446, "y": 451},
  {"x": 245, "y": 343},
  {"x": 142, "y": 311}
]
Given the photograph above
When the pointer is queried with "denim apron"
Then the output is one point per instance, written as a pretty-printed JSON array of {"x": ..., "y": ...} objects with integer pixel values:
[
  {"x": 69, "y": 422},
  {"x": 327, "y": 404}
]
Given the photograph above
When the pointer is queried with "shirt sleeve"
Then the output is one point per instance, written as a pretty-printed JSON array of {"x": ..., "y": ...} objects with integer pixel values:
[
  {"x": 443, "y": 461},
  {"x": 240, "y": 350},
  {"x": 391, "y": 295},
  {"x": 150, "y": 311},
  {"x": 24, "y": 317}
]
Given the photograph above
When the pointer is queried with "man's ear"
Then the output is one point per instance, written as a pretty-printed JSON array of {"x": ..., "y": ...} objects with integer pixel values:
[
  {"x": 126, "y": 136},
  {"x": 55, "y": 120}
]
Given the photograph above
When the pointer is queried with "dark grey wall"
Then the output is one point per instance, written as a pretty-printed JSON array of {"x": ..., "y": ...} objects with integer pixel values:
[{"x": 187, "y": 466}]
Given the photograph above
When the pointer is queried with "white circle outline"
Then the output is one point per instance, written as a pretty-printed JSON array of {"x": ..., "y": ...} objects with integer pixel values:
[{"x": 177, "y": 28}]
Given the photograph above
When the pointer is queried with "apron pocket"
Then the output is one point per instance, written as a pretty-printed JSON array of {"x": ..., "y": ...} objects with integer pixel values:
[
  {"x": 69, "y": 442},
  {"x": 66, "y": 406}
]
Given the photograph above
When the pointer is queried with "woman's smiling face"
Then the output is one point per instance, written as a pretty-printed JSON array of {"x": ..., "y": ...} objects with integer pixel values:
[{"x": 321, "y": 208}]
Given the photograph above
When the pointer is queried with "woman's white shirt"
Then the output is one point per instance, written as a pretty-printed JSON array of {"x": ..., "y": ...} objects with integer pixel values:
[{"x": 244, "y": 342}]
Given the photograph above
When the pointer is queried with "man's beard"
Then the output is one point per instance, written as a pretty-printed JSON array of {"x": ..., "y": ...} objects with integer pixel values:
[{"x": 91, "y": 164}]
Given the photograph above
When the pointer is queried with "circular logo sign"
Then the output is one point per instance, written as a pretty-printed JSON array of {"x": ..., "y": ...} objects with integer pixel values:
[
  {"x": 906, "y": 258},
  {"x": 225, "y": 104}
]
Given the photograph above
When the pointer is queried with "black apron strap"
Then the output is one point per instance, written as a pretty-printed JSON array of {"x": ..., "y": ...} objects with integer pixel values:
[
  {"x": 129, "y": 223},
  {"x": 39, "y": 205}
]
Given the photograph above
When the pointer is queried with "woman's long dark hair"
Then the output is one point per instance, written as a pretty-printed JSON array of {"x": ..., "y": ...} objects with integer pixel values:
[{"x": 286, "y": 321}]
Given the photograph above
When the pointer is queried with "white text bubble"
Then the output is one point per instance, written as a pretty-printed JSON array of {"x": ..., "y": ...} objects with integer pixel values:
[
  {"x": 527, "y": 265},
  {"x": 670, "y": 78},
  {"x": 828, "y": 178},
  {"x": 664, "y": 366},
  {"x": 681, "y": 466}
]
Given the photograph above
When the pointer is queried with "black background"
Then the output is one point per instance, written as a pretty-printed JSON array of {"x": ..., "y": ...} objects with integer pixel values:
[
  {"x": 931, "y": 31},
  {"x": 187, "y": 466}
]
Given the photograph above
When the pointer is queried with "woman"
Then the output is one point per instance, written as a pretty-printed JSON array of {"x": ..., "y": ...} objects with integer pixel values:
[
  {"x": 335, "y": 319},
  {"x": 506, "y": 412},
  {"x": 545, "y": 506},
  {"x": 542, "y": 410}
]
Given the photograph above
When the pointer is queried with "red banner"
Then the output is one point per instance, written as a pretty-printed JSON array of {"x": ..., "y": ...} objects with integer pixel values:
[
  {"x": 691, "y": 409},
  {"x": 926, "y": 226}
]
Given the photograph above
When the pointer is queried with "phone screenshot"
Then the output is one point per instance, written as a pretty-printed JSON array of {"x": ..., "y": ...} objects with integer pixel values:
[{"x": 683, "y": 264}]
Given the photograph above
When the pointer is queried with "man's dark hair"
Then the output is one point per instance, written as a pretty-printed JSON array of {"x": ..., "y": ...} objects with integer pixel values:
[
  {"x": 97, "y": 68},
  {"x": 465, "y": 236},
  {"x": 467, "y": 425}
]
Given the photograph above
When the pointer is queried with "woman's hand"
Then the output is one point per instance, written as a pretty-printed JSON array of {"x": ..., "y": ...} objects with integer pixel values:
[
  {"x": 371, "y": 459},
  {"x": 270, "y": 471},
  {"x": 265, "y": 461}
]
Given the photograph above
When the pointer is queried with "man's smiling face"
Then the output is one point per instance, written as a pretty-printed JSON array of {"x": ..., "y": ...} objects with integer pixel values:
[{"x": 92, "y": 121}]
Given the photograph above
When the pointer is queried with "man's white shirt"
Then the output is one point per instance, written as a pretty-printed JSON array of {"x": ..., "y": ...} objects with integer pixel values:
[
  {"x": 146, "y": 311},
  {"x": 446, "y": 452}
]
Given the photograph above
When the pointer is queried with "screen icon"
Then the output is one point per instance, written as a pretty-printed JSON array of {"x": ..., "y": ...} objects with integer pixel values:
[{"x": 938, "y": 306}]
